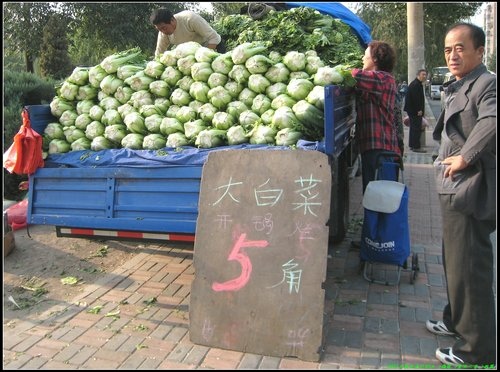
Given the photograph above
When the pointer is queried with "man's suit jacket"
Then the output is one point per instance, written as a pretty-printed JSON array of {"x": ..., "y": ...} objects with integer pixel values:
[
  {"x": 415, "y": 99},
  {"x": 470, "y": 124}
]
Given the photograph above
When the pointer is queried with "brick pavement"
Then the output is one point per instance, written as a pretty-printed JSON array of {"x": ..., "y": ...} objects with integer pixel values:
[{"x": 366, "y": 325}]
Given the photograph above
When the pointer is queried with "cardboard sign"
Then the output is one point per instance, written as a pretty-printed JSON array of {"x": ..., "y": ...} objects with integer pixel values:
[{"x": 260, "y": 252}]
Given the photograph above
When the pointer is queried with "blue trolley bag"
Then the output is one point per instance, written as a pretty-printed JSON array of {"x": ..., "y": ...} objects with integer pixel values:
[{"x": 385, "y": 236}]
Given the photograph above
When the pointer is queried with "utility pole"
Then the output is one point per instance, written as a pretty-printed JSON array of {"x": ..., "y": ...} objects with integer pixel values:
[
  {"x": 416, "y": 48},
  {"x": 415, "y": 30}
]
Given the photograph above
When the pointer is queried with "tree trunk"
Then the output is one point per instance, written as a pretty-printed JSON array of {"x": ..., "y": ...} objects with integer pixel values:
[
  {"x": 416, "y": 48},
  {"x": 29, "y": 63}
]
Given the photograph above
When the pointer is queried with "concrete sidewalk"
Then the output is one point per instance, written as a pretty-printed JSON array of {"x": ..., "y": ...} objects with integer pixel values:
[{"x": 366, "y": 325}]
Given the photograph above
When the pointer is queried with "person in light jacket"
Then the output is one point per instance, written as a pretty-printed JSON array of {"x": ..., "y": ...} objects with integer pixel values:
[
  {"x": 182, "y": 27},
  {"x": 468, "y": 139}
]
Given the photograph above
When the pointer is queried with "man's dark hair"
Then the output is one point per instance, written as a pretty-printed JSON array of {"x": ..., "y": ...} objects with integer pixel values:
[
  {"x": 421, "y": 70},
  {"x": 476, "y": 33},
  {"x": 383, "y": 55},
  {"x": 161, "y": 15}
]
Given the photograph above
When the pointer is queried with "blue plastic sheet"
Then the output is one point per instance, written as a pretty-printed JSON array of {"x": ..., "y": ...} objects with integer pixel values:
[
  {"x": 339, "y": 11},
  {"x": 165, "y": 157}
]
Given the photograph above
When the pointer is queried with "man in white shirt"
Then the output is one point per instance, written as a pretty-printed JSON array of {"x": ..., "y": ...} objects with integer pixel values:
[{"x": 175, "y": 29}]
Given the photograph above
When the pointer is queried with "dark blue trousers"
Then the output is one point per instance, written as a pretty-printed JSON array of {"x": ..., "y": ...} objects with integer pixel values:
[{"x": 415, "y": 132}]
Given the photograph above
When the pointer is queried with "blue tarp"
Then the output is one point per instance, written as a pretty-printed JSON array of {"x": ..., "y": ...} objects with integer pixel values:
[
  {"x": 339, "y": 11},
  {"x": 165, "y": 157}
]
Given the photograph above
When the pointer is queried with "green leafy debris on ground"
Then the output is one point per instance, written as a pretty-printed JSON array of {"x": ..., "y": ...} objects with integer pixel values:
[
  {"x": 101, "y": 252},
  {"x": 355, "y": 224},
  {"x": 141, "y": 327},
  {"x": 70, "y": 280},
  {"x": 35, "y": 285},
  {"x": 95, "y": 310},
  {"x": 150, "y": 301},
  {"x": 113, "y": 314},
  {"x": 23, "y": 302}
]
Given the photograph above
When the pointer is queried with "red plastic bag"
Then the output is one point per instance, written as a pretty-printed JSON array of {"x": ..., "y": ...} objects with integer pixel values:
[
  {"x": 25, "y": 155},
  {"x": 17, "y": 215},
  {"x": 12, "y": 157},
  {"x": 406, "y": 121}
]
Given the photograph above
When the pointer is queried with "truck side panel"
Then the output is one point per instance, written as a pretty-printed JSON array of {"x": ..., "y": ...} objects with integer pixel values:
[
  {"x": 339, "y": 119},
  {"x": 138, "y": 199}
]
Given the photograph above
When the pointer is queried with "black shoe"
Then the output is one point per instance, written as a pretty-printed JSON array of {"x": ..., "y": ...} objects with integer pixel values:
[{"x": 419, "y": 150}]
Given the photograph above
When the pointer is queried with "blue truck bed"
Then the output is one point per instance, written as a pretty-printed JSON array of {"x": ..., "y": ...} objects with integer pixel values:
[{"x": 137, "y": 194}]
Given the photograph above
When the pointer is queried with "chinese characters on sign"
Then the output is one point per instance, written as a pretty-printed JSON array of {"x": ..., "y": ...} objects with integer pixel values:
[{"x": 260, "y": 252}]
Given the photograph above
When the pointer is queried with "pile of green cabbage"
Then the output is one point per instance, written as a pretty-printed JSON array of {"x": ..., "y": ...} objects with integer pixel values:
[
  {"x": 193, "y": 96},
  {"x": 299, "y": 28}
]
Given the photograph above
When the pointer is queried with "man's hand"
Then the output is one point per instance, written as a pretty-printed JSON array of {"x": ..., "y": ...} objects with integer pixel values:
[{"x": 456, "y": 163}]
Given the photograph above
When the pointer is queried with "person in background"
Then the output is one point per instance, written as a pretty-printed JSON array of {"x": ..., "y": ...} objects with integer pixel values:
[
  {"x": 468, "y": 138},
  {"x": 415, "y": 108},
  {"x": 182, "y": 27},
  {"x": 375, "y": 93},
  {"x": 398, "y": 122},
  {"x": 402, "y": 90}
]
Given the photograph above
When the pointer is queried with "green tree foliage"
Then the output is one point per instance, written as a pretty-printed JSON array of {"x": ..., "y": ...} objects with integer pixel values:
[
  {"x": 223, "y": 9},
  {"x": 13, "y": 61},
  {"x": 23, "y": 26},
  {"x": 54, "y": 58},
  {"x": 388, "y": 23},
  {"x": 492, "y": 62},
  {"x": 94, "y": 29},
  {"x": 101, "y": 29}
]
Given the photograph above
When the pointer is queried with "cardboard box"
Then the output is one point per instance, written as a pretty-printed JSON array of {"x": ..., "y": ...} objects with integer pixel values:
[{"x": 8, "y": 243}]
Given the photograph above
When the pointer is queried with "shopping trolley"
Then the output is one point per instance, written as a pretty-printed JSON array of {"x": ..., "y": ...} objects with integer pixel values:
[{"x": 385, "y": 236}]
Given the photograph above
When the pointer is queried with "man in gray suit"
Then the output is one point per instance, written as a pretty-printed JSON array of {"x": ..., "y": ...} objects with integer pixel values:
[{"x": 468, "y": 139}]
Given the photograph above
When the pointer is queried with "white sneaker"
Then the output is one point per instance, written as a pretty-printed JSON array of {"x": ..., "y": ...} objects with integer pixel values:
[
  {"x": 447, "y": 357},
  {"x": 439, "y": 328}
]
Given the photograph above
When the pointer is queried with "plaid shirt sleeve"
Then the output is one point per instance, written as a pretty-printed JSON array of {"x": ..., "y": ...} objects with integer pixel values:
[{"x": 375, "y": 98}]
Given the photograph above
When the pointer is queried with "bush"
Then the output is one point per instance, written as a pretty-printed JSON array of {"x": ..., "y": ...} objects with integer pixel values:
[
  {"x": 20, "y": 89},
  {"x": 11, "y": 186},
  {"x": 13, "y": 61}
]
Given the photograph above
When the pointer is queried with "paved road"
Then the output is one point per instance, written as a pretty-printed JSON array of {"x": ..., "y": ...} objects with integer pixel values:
[{"x": 435, "y": 106}]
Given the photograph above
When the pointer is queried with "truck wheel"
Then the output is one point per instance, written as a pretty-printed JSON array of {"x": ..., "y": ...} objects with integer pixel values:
[{"x": 339, "y": 206}]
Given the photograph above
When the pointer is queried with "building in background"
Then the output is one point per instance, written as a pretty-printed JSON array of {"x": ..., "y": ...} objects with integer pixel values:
[{"x": 490, "y": 29}]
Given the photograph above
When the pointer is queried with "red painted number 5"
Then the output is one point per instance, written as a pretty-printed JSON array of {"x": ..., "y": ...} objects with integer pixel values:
[{"x": 246, "y": 266}]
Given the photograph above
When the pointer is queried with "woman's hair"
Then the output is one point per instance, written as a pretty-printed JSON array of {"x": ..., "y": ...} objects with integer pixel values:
[
  {"x": 383, "y": 55},
  {"x": 161, "y": 15}
]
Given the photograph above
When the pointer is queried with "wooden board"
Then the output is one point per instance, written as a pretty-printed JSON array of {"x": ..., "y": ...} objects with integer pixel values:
[{"x": 260, "y": 252}]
